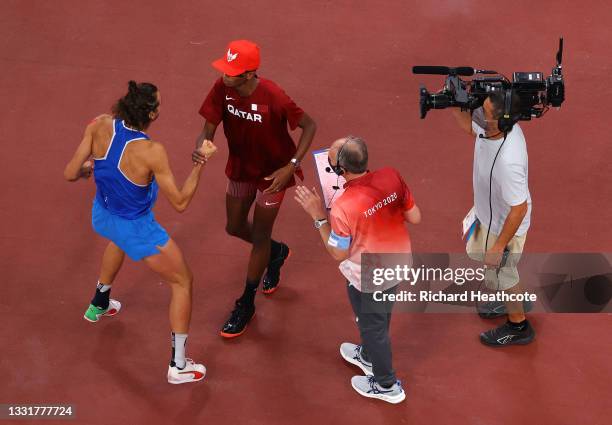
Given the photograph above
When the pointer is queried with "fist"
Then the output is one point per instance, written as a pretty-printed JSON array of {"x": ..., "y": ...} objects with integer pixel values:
[
  {"x": 207, "y": 149},
  {"x": 86, "y": 170},
  {"x": 204, "y": 152}
]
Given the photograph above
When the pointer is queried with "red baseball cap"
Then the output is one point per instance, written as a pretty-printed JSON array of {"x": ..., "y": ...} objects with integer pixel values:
[{"x": 241, "y": 56}]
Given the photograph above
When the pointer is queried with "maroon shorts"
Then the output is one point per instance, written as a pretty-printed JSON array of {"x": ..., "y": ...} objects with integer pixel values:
[{"x": 249, "y": 189}]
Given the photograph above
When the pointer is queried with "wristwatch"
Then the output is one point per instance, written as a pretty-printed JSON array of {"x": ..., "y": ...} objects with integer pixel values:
[
  {"x": 295, "y": 162},
  {"x": 319, "y": 223}
]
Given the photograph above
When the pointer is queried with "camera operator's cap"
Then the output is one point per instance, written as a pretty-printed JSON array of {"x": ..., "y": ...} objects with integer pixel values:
[{"x": 241, "y": 56}]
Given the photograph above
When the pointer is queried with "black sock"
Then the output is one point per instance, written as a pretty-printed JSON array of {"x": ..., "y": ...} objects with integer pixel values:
[
  {"x": 520, "y": 326},
  {"x": 275, "y": 249},
  {"x": 250, "y": 289},
  {"x": 387, "y": 386},
  {"x": 101, "y": 299}
]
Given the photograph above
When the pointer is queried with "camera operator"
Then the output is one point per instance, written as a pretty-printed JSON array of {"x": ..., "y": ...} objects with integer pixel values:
[{"x": 503, "y": 209}]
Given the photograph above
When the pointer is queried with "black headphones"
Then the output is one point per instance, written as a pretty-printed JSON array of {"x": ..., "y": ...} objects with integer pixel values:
[
  {"x": 338, "y": 168},
  {"x": 507, "y": 120}
]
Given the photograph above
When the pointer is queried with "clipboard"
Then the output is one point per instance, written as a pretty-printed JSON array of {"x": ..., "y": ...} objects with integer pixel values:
[
  {"x": 327, "y": 180},
  {"x": 469, "y": 224}
]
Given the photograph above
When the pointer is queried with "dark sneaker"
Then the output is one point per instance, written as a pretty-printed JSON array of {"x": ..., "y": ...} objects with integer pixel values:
[
  {"x": 507, "y": 335},
  {"x": 272, "y": 276},
  {"x": 238, "y": 320},
  {"x": 494, "y": 309}
]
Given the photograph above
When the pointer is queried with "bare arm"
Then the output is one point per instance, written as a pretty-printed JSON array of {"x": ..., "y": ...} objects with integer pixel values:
[
  {"x": 309, "y": 128},
  {"x": 464, "y": 119},
  {"x": 208, "y": 133},
  {"x": 160, "y": 166},
  {"x": 511, "y": 225},
  {"x": 281, "y": 177},
  {"x": 413, "y": 215},
  {"x": 312, "y": 204},
  {"x": 79, "y": 166}
]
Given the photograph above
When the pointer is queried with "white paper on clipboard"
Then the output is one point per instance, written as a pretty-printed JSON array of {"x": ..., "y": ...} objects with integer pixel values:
[
  {"x": 469, "y": 223},
  {"x": 327, "y": 180}
]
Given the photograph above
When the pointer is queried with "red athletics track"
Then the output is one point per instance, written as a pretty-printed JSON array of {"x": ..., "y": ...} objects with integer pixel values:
[{"x": 347, "y": 64}]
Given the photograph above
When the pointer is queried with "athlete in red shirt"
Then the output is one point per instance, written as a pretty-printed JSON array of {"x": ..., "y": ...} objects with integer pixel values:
[
  {"x": 369, "y": 217},
  {"x": 262, "y": 161}
]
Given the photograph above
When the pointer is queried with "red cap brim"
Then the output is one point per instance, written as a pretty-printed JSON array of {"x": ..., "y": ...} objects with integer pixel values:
[{"x": 222, "y": 66}]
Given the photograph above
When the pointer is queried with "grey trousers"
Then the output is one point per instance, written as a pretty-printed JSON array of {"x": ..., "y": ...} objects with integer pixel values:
[{"x": 373, "y": 320}]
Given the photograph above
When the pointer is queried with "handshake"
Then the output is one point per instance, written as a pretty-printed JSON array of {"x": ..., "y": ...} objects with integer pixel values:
[{"x": 201, "y": 154}]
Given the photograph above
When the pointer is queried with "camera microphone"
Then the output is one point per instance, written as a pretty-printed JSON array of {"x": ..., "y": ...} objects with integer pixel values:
[{"x": 466, "y": 71}]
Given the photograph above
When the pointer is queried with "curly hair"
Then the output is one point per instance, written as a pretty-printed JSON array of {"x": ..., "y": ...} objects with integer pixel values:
[{"x": 135, "y": 107}]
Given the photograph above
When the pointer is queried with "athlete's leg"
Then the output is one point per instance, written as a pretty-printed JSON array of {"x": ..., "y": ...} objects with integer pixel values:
[
  {"x": 111, "y": 263},
  {"x": 238, "y": 203},
  {"x": 101, "y": 303},
  {"x": 258, "y": 234},
  {"x": 171, "y": 266},
  {"x": 263, "y": 222}
]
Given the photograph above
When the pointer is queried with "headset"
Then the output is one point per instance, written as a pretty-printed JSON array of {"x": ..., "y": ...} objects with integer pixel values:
[
  {"x": 339, "y": 169},
  {"x": 508, "y": 119}
]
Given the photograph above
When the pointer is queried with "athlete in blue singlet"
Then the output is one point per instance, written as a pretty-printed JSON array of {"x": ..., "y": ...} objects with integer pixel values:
[{"x": 129, "y": 170}]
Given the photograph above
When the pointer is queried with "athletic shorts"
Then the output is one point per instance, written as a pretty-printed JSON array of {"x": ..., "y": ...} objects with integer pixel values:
[
  {"x": 138, "y": 238},
  {"x": 508, "y": 276},
  {"x": 249, "y": 190}
]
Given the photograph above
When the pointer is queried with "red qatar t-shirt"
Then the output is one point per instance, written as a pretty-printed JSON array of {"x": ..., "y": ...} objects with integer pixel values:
[{"x": 255, "y": 128}]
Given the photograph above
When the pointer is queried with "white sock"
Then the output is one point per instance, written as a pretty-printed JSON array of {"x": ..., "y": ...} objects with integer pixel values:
[
  {"x": 102, "y": 287},
  {"x": 178, "y": 349}
]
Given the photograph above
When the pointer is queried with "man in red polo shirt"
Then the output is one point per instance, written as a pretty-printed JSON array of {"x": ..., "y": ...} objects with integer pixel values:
[
  {"x": 262, "y": 162},
  {"x": 369, "y": 217}
]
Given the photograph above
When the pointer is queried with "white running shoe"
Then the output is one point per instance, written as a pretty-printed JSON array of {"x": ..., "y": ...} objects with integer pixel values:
[
  {"x": 368, "y": 387},
  {"x": 352, "y": 354},
  {"x": 94, "y": 313},
  {"x": 192, "y": 372}
]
